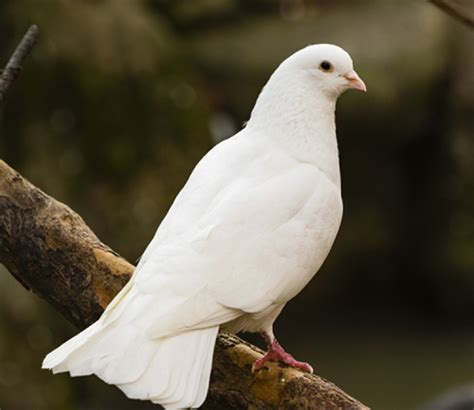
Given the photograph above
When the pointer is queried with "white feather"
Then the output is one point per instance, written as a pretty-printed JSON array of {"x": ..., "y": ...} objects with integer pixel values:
[{"x": 250, "y": 228}]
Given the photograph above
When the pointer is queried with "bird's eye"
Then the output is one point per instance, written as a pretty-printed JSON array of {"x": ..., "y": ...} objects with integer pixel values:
[{"x": 326, "y": 66}]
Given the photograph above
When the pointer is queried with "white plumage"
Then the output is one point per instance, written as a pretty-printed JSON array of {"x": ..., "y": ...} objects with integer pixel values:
[{"x": 250, "y": 228}]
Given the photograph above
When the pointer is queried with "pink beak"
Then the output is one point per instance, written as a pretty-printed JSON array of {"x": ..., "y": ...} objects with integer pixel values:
[{"x": 355, "y": 81}]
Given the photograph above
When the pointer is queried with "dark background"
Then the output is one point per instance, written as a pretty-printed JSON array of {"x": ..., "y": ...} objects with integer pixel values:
[{"x": 121, "y": 99}]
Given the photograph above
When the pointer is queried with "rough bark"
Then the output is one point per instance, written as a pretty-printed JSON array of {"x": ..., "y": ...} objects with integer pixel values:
[{"x": 51, "y": 251}]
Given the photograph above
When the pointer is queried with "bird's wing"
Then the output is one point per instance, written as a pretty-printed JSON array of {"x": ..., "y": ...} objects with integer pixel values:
[
  {"x": 208, "y": 181},
  {"x": 226, "y": 244}
]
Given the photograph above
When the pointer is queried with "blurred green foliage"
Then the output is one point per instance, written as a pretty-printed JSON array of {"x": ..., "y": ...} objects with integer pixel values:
[{"x": 121, "y": 99}]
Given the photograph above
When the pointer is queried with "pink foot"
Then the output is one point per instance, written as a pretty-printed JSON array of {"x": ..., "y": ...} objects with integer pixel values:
[{"x": 276, "y": 353}]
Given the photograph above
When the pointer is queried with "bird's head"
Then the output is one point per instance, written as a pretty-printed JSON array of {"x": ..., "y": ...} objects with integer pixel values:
[
  {"x": 302, "y": 92},
  {"x": 326, "y": 67}
]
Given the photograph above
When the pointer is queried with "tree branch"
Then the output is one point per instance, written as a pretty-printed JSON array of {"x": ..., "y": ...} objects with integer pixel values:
[
  {"x": 50, "y": 249},
  {"x": 14, "y": 65},
  {"x": 454, "y": 9}
]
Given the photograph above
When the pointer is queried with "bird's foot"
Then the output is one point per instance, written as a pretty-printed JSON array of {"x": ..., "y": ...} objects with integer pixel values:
[{"x": 276, "y": 353}]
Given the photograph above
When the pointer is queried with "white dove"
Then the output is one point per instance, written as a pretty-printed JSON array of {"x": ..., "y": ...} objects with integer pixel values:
[{"x": 250, "y": 228}]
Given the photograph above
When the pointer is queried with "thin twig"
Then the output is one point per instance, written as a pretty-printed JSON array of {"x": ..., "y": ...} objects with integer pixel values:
[
  {"x": 455, "y": 10},
  {"x": 14, "y": 66}
]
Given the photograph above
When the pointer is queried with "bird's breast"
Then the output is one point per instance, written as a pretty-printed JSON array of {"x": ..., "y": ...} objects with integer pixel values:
[{"x": 279, "y": 248}]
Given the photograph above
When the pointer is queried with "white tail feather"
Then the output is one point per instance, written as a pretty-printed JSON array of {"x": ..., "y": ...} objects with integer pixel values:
[
  {"x": 178, "y": 374},
  {"x": 172, "y": 371},
  {"x": 56, "y": 359}
]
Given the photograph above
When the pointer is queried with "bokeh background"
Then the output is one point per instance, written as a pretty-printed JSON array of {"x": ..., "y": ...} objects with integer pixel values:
[{"x": 120, "y": 100}]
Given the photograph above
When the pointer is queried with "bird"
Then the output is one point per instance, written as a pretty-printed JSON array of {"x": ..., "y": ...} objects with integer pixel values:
[{"x": 252, "y": 225}]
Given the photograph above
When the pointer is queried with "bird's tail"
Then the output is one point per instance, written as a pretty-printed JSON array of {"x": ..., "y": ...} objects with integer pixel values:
[{"x": 172, "y": 371}]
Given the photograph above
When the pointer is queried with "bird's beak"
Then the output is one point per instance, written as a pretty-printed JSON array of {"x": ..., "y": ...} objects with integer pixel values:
[{"x": 355, "y": 81}]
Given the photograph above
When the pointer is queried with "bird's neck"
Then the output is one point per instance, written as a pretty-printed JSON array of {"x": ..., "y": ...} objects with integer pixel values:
[{"x": 302, "y": 122}]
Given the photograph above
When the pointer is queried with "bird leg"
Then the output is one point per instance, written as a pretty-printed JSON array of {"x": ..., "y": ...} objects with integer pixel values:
[{"x": 276, "y": 353}]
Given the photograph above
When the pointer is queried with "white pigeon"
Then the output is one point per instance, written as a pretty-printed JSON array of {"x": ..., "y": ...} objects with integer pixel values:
[{"x": 250, "y": 228}]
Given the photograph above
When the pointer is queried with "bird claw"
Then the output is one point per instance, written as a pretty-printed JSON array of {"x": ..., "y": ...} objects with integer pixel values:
[
  {"x": 306, "y": 367},
  {"x": 259, "y": 363},
  {"x": 276, "y": 353}
]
